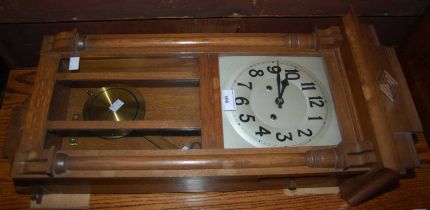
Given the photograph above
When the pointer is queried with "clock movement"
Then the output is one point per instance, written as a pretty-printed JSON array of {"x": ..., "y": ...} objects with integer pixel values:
[{"x": 150, "y": 113}]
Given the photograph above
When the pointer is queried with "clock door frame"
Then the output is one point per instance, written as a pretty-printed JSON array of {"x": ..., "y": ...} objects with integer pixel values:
[{"x": 369, "y": 152}]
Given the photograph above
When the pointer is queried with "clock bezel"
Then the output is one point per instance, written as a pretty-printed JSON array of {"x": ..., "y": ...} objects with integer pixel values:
[{"x": 243, "y": 62}]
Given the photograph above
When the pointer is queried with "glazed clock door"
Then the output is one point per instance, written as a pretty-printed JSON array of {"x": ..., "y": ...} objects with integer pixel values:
[{"x": 276, "y": 102}]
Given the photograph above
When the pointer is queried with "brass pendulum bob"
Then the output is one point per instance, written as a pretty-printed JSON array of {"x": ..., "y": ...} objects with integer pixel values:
[{"x": 114, "y": 104}]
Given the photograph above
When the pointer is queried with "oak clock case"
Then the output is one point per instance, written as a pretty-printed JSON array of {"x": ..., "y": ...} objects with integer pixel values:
[
  {"x": 280, "y": 101},
  {"x": 316, "y": 109}
]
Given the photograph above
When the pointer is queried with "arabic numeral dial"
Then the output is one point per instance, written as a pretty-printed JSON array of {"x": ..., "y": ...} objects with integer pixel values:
[{"x": 263, "y": 120}]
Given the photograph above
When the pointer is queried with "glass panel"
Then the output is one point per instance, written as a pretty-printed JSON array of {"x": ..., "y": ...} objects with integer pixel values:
[
  {"x": 276, "y": 101},
  {"x": 158, "y": 93}
]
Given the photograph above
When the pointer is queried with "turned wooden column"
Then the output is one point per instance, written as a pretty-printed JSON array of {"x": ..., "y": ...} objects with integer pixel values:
[
  {"x": 73, "y": 41},
  {"x": 324, "y": 158}
]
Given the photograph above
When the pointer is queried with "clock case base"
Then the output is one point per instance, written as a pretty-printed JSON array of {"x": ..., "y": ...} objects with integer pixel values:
[{"x": 368, "y": 87}]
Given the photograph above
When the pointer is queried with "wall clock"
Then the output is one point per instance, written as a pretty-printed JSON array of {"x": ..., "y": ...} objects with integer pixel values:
[{"x": 325, "y": 108}]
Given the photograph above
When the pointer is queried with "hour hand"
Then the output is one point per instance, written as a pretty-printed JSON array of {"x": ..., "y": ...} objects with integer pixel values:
[
  {"x": 280, "y": 100},
  {"x": 284, "y": 84}
]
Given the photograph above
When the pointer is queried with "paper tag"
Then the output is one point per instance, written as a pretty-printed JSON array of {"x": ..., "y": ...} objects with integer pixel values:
[
  {"x": 116, "y": 105},
  {"x": 74, "y": 63},
  {"x": 228, "y": 100}
]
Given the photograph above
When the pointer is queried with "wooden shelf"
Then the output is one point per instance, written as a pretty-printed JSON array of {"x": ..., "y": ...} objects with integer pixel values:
[
  {"x": 178, "y": 125},
  {"x": 127, "y": 76}
]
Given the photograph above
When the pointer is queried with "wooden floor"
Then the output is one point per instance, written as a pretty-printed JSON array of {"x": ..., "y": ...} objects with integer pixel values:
[{"x": 411, "y": 194}]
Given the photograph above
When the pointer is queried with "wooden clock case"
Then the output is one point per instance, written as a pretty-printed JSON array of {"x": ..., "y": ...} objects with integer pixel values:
[{"x": 177, "y": 74}]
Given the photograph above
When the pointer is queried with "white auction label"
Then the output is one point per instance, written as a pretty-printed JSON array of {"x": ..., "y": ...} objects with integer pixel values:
[
  {"x": 228, "y": 100},
  {"x": 116, "y": 105},
  {"x": 74, "y": 63}
]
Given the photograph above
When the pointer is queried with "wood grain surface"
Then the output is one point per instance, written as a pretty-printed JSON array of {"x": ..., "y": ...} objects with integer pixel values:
[
  {"x": 19, "y": 11},
  {"x": 411, "y": 193}
]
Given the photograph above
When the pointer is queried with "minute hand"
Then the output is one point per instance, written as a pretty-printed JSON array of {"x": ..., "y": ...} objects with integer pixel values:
[
  {"x": 278, "y": 84},
  {"x": 276, "y": 70}
]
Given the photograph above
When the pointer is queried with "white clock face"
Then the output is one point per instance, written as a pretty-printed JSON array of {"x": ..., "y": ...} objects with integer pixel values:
[{"x": 278, "y": 103}]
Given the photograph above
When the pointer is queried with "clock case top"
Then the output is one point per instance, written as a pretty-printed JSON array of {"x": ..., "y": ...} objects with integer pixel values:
[{"x": 376, "y": 115}]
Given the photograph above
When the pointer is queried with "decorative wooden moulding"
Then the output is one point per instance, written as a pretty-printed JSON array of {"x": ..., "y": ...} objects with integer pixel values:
[{"x": 178, "y": 76}]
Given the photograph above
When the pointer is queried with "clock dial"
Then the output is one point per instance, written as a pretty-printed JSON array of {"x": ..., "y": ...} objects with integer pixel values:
[{"x": 278, "y": 103}]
